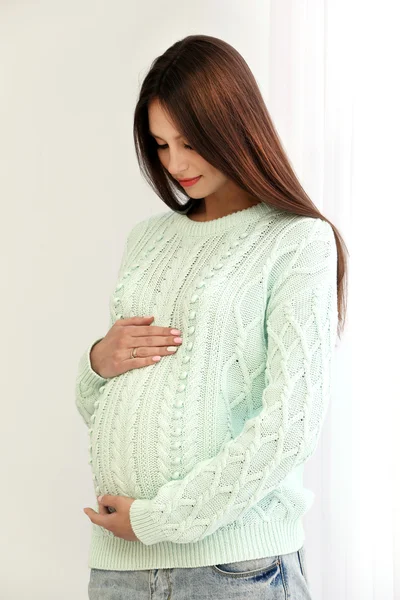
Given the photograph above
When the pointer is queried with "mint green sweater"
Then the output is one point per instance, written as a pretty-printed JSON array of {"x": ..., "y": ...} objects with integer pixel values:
[{"x": 212, "y": 440}]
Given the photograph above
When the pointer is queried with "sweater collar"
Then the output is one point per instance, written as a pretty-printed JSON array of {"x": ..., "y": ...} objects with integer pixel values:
[{"x": 187, "y": 226}]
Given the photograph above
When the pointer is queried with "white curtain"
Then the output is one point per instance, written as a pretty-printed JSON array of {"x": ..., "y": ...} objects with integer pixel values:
[{"x": 333, "y": 79}]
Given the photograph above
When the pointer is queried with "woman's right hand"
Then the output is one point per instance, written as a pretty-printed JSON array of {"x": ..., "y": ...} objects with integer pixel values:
[{"x": 111, "y": 356}]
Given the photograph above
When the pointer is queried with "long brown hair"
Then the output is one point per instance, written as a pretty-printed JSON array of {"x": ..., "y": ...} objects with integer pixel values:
[{"x": 209, "y": 92}]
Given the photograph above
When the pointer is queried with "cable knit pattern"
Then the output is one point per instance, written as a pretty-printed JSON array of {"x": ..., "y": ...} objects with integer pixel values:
[{"x": 212, "y": 440}]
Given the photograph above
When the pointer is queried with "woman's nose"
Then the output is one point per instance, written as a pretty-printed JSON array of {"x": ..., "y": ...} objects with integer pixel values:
[{"x": 177, "y": 165}]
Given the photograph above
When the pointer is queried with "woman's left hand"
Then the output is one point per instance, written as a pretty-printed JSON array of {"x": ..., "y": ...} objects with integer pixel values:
[{"x": 117, "y": 522}]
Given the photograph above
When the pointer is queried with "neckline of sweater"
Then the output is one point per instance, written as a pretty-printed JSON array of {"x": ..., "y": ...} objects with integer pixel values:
[{"x": 244, "y": 216}]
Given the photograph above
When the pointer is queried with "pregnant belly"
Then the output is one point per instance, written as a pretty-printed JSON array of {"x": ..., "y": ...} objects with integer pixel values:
[
  {"x": 147, "y": 431},
  {"x": 124, "y": 438}
]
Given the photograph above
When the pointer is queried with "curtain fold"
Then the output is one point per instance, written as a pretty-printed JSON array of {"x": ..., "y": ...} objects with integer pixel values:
[{"x": 332, "y": 74}]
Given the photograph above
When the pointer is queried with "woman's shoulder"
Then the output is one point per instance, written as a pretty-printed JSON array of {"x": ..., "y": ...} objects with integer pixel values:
[
  {"x": 300, "y": 244},
  {"x": 142, "y": 226},
  {"x": 292, "y": 229}
]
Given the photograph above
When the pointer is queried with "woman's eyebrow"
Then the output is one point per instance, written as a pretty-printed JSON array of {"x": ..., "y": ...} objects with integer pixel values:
[{"x": 159, "y": 136}]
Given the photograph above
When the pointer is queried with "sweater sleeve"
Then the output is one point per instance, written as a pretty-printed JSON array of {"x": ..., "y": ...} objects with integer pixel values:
[
  {"x": 300, "y": 321},
  {"x": 87, "y": 381},
  {"x": 87, "y": 385}
]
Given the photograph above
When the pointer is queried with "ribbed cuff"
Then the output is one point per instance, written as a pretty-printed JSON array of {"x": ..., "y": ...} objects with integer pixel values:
[
  {"x": 87, "y": 385},
  {"x": 142, "y": 523},
  {"x": 88, "y": 377}
]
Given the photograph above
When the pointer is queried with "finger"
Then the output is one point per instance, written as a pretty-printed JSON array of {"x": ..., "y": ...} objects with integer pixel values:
[
  {"x": 103, "y": 509},
  {"x": 94, "y": 516},
  {"x": 108, "y": 500},
  {"x": 152, "y": 330},
  {"x": 138, "y": 363},
  {"x": 129, "y": 321},
  {"x": 146, "y": 351},
  {"x": 155, "y": 341}
]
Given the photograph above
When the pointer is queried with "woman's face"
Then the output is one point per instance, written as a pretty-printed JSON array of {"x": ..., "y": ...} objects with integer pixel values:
[{"x": 180, "y": 159}]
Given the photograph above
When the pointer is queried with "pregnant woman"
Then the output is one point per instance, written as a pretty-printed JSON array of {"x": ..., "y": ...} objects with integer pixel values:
[{"x": 207, "y": 395}]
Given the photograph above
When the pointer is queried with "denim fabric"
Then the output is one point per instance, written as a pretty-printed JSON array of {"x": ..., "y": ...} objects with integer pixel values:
[{"x": 282, "y": 577}]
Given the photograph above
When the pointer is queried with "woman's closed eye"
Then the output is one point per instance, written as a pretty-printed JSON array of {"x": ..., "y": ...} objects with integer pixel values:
[{"x": 166, "y": 146}]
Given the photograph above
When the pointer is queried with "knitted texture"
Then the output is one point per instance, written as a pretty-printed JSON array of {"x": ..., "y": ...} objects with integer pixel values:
[{"x": 212, "y": 440}]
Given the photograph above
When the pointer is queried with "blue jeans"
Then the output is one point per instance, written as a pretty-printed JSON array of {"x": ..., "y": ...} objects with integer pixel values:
[{"x": 280, "y": 577}]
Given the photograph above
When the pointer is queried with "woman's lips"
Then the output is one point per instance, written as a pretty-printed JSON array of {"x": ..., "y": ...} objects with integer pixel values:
[{"x": 187, "y": 182}]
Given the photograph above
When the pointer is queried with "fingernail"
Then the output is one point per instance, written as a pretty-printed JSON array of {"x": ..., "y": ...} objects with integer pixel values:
[
  {"x": 100, "y": 498},
  {"x": 175, "y": 331}
]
